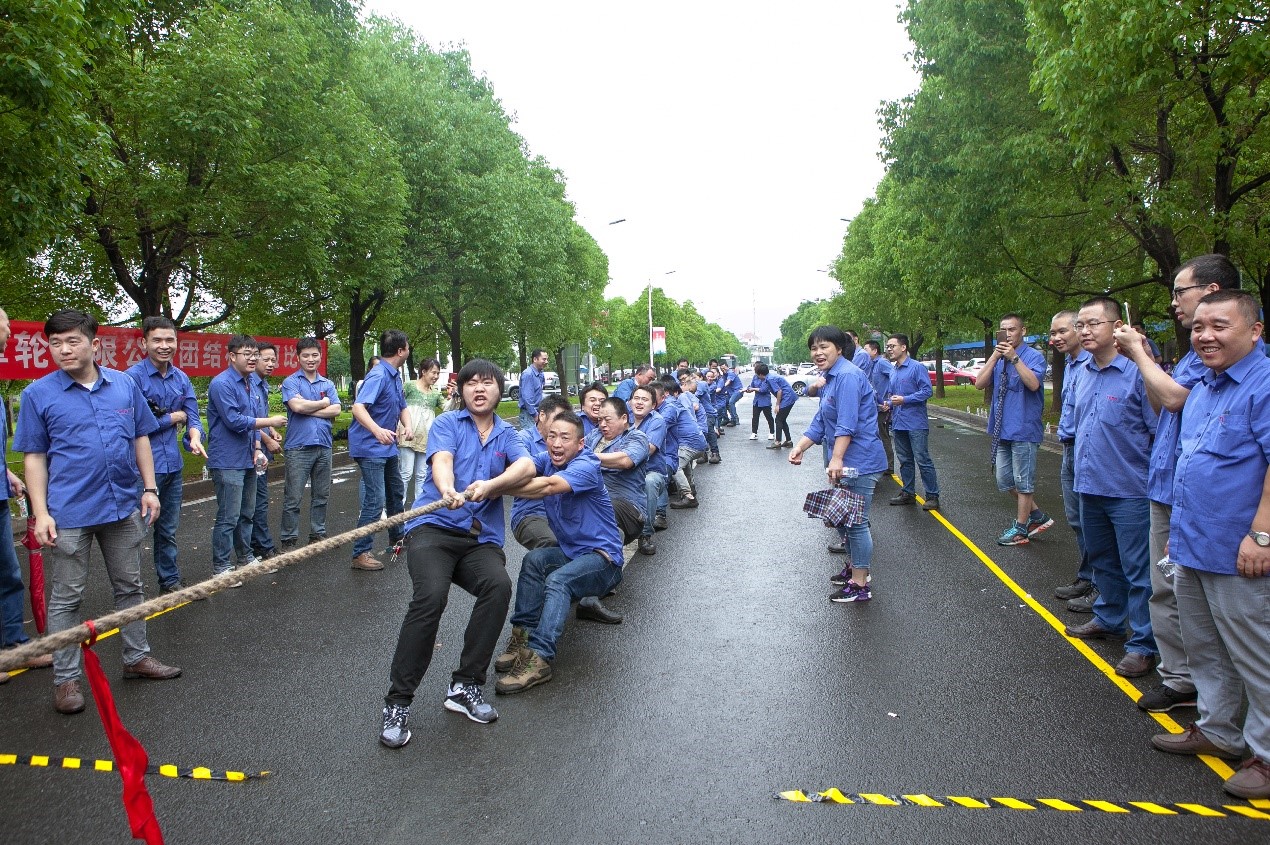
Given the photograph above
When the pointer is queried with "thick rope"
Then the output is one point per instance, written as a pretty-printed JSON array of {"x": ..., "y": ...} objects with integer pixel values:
[{"x": 16, "y": 658}]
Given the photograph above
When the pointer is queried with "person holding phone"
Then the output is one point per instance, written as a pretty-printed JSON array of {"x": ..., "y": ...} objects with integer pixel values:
[{"x": 1014, "y": 373}]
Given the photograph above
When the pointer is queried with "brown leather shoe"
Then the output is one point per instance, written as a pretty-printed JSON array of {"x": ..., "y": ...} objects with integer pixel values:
[
  {"x": 1192, "y": 742},
  {"x": 67, "y": 698},
  {"x": 1091, "y": 630},
  {"x": 367, "y": 563},
  {"x": 1135, "y": 665},
  {"x": 148, "y": 667}
]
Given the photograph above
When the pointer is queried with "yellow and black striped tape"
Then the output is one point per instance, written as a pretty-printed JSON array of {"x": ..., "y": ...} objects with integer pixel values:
[
  {"x": 835, "y": 796},
  {"x": 167, "y": 771}
]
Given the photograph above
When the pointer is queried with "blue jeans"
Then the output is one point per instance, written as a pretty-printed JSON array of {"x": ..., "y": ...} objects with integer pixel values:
[
  {"x": 526, "y": 419},
  {"x": 310, "y": 464},
  {"x": 731, "y": 410},
  {"x": 655, "y": 497},
  {"x": 261, "y": 539},
  {"x": 912, "y": 452},
  {"x": 547, "y": 586},
  {"x": 1117, "y": 535},
  {"x": 235, "y": 506},
  {"x": 1071, "y": 507},
  {"x": 712, "y": 434},
  {"x": 170, "y": 487},
  {"x": 11, "y": 589},
  {"x": 1016, "y": 465},
  {"x": 381, "y": 491},
  {"x": 858, "y": 538}
]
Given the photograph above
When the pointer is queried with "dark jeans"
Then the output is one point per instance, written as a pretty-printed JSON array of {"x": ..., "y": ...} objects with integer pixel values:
[
  {"x": 11, "y": 589},
  {"x": 235, "y": 504},
  {"x": 311, "y": 464},
  {"x": 170, "y": 487},
  {"x": 712, "y": 434},
  {"x": 766, "y": 412},
  {"x": 884, "y": 434},
  {"x": 731, "y": 414},
  {"x": 549, "y": 582},
  {"x": 436, "y": 559},
  {"x": 782, "y": 423},
  {"x": 261, "y": 539},
  {"x": 381, "y": 491}
]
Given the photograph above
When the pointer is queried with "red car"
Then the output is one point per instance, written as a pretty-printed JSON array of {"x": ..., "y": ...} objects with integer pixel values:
[{"x": 952, "y": 375}]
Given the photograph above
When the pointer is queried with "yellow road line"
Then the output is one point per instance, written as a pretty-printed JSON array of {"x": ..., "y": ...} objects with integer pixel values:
[
  {"x": 966, "y": 802},
  {"x": 166, "y": 770}
]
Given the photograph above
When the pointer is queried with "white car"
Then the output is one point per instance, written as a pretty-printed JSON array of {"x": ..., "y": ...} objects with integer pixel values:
[{"x": 807, "y": 374}]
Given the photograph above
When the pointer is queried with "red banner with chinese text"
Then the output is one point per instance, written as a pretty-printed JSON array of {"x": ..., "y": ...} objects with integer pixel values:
[{"x": 26, "y": 356}]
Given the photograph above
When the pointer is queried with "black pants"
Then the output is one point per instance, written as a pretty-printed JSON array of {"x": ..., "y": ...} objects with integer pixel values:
[
  {"x": 884, "y": 434},
  {"x": 782, "y": 423},
  {"x": 436, "y": 559},
  {"x": 767, "y": 412}
]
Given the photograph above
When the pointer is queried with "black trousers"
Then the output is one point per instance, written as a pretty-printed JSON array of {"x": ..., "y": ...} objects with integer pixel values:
[
  {"x": 782, "y": 423},
  {"x": 436, "y": 559},
  {"x": 766, "y": 412}
]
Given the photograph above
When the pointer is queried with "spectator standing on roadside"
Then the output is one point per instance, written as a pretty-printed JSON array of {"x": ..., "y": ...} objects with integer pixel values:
[
  {"x": 262, "y": 545},
  {"x": 1014, "y": 373},
  {"x": 1081, "y": 592},
  {"x": 530, "y": 389},
  {"x": 170, "y": 395},
  {"x": 907, "y": 393},
  {"x": 861, "y": 356},
  {"x": 424, "y": 401},
  {"x": 312, "y": 403},
  {"x": 880, "y": 380}
]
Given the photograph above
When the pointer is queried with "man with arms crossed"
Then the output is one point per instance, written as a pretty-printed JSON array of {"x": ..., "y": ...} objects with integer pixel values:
[{"x": 312, "y": 402}]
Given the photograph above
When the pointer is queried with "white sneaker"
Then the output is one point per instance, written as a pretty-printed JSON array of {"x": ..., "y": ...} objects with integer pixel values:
[
  {"x": 754, "y": 437},
  {"x": 771, "y": 437}
]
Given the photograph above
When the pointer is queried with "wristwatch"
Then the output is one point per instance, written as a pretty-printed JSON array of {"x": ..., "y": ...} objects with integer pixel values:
[
  {"x": 154, "y": 490},
  {"x": 1261, "y": 538},
  {"x": 1015, "y": 361}
]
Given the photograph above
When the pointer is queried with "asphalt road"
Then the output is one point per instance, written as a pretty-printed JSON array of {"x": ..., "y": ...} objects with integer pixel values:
[{"x": 732, "y": 679}]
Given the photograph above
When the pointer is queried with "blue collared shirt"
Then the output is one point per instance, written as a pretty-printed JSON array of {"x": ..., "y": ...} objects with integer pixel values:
[
  {"x": 1187, "y": 373},
  {"x": 654, "y": 428},
  {"x": 1021, "y": 420},
  {"x": 862, "y": 360},
  {"x": 692, "y": 404},
  {"x": 582, "y": 519},
  {"x": 681, "y": 424},
  {"x": 1067, "y": 416},
  {"x": 4, "y": 450},
  {"x": 87, "y": 436},
  {"x": 1225, "y": 450},
  {"x": 532, "y": 383},
  {"x": 261, "y": 385},
  {"x": 384, "y": 397},
  {"x": 706, "y": 397},
  {"x": 624, "y": 389},
  {"x": 231, "y": 421},
  {"x": 847, "y": 409},
  {"x": 732, "y": 383},
  {"x": 762, "y": 391},
  {"x": 306, "y": 429},
  {"x": 880, "y": 378},
  {"x": 170, "y": 391},
  {"x": 912, "y": 381},
  {"x": 779, "y": 384},
  {"x": 455, "y": 432},
  {"x": 532, "y": 440},
  {"x": 626, "y": 484},
  {"x": 1114, "y": 426},
  {"x": 587, "y": 425}
]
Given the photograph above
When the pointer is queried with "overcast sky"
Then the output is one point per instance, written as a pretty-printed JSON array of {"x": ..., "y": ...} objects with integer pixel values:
[{"x": 731, "y": 137}]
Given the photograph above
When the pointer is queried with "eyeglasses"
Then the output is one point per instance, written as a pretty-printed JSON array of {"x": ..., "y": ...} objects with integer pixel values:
[
  {"x": 1179, "y": 291},
  {"x": 1092, "y": 324},
  {"x": 252, "y": 354}
]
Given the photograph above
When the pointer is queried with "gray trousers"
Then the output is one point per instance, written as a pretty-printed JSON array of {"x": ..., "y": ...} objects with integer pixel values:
[
  {"x": 687, "y": 462},
  {"x": 1165, "y": 625},
  {"x": 120, "y": 544},
  {"x": 1226, "y": 625}
]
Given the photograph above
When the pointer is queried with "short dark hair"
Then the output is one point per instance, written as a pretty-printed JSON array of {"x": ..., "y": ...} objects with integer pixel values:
[
  {"x": 1211, "y": 269},
  {"x": 1243, "y": 300},
  {"x": 874, "y": 345},
  {"x": 670, "y": 385},
  {"x": 554, "y": 404},
  {"x": 239, "y": 342},
  {"x": 901, "y": 339},
  {"x": 372, "y": 361},
  {"x": 619, "y": 405},
  {"x": 650, "y": 389},
  {"x": 1109, "y": 306},
  {"x": 714, "y": 362},
  {"x": 641, "y": 369},
  {"x": 150, "y": 324},
  {"x": 1013, "y": 316},
  {"x": 392, "y": 341},
  {"x": 476, "y": 368},
  {"x": 571, "y": 419},
  {"x": 265, "y": 346},
  {"x": 760, "y": 369},
  {"x": 595, "y": 385},
  {"x": 69, "y": 320},
  {"x": 307, "y": 343},
  {"x": 536, "y": 353},
  {"x": 686, "y": 373},
  {"x": 428, "y": 364},
  {"x": 834, "y": 335},
  {"x": 656, "y": 386}
]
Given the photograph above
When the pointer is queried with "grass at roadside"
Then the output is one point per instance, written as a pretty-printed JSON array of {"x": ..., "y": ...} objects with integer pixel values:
[{"x": 960, "y": 397}]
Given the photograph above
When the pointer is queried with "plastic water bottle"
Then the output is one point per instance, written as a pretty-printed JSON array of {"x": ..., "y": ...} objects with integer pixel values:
[
  {"x": 262, "y": 465},
  {"x": 1167, "y": 567}
]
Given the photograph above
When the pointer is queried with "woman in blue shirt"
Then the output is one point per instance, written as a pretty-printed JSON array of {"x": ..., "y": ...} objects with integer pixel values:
[{"x": 762, "y": 390}]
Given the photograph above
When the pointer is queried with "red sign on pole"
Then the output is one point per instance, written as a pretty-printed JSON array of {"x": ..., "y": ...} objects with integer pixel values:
[{"x": 27, "y": 356}]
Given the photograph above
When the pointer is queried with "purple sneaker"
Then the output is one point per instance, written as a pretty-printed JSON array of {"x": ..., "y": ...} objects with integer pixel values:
[
  {"x": 852, "y": 592},
  {"x": 841, "y": 579}
]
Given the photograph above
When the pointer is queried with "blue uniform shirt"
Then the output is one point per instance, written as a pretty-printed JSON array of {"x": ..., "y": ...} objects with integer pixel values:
[
  {"x": 847, "y": 409},
  {"x": 1225, "y": 449},
  {"x": 455, "y": 432},
  {"x": 168, "y": 392},
  {"x": 587, "y": 425},
  {"x": 306, "y": 429},
  {"x": 684, "y": 426},
  {"x": 624, "y": 389},
  {"x": 692, "y": 404},
  {"x": 88, "y": 437},
  {"x": 582, "y": 519},
  {"x": 532, "y": 383},
  {"x": 706, "y": 398},
  {"x": 762, "y": 392},
  {"x": 880, "y": 378},
  {"x": 912, "y": 381},
  {"x": 231, "y": 421},
  {"x": 1114, "y": 425},
  {"x": 1187, "y": 373},
  {"x": 384, "y": 396},
  {"x": 1022, "y": 418},
  {"x": 626, "y": 484},
  {"x": 654, "y": 428},
  {"x": 4, "y": 450},
  {"x": 532, "y": 440},
  {"x": 862, "y": 360},
  {"x": 1066, "y": 419},
  {"x": 779, "y": 384},
  {"x": 261, "y": 385},
  {"x": 732, "y": 383}
]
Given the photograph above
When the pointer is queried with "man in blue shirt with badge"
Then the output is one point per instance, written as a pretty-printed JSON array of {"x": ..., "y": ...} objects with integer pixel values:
[
  {"x": 1081, "y": 593},
  {"x": 906, "y": 397},
  {"x": 1015, "y": 373},
  {"x": 312, "y": 403},
  {"x": 372, "y": 442},
  {"x": 234, "y": 453},
  {"x": 1114, "y": 426},
  {"x": 271, "y": 444},
  {"x": 473, "y": 458},
  {"x": 1194, "y": 280},
  {"x": 170, "y": 395},
  {"x": 1219, "y": 540},
  {"x": 588, "y": 561},
  {"x": 529, "y": 391},
  {"x": 84, "y": 431}
]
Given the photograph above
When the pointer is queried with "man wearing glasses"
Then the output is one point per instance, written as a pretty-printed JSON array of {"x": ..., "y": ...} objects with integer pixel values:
[
  {"x": 234, "y": 453},
  {"x": 1193, "y": 281}
]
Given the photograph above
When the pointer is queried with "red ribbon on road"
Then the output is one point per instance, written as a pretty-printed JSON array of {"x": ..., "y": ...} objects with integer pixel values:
[{"x": 130, "y": 757}]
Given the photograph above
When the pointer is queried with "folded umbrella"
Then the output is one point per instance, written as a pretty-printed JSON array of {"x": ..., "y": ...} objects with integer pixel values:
[{"x": 36, "y": 560}]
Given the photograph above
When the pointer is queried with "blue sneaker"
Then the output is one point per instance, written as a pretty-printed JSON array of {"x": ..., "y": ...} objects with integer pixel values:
[
  {"x": 468, "y": 700},
  {"x": 852, "y": 592},
  {"x": 1015, "y": 535},
  {"x": 1037, "y": 522},
  {"x": 396, "y": 732}
]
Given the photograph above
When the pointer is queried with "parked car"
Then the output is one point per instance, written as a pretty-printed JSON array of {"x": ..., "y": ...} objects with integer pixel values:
[
  {"x": 974, "y": 365},
  {"x": 806, "y": 374},
  {"x": 952, "y": 375},
  {"x": 511, "y": 385}
]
